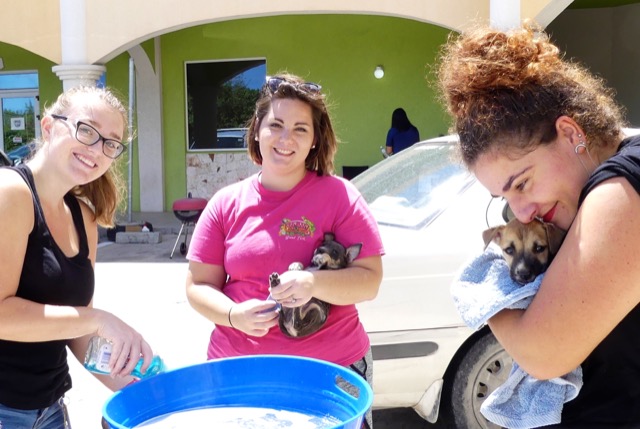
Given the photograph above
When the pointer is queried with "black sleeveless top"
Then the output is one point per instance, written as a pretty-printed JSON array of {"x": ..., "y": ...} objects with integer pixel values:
[
  {"x": 610, "y": 396},
  {"x": 35, "y": 375}
]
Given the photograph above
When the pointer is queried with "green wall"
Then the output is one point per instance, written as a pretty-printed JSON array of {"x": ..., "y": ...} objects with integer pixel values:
[{"x": 338, "y": 51}]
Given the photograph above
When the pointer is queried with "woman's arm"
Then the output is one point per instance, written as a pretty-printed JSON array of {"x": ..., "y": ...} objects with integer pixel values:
[
  {"x": 204, "y": 292},
  {"x": 28, "y": 321},
  {"x": 20, "y": 319},
  {"x": 253, "y": 317},
  {"x": 592, "y": 284}
]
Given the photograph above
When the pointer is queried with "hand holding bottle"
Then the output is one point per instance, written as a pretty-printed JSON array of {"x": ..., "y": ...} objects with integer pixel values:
[
  {"x": 99, "y": 355},
  {"x": 124, "y": 342}
]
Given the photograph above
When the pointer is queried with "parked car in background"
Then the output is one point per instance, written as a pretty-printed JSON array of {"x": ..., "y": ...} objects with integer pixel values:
[
  {"x": 231, "y": 138},
  {"x": 431, "y": 213},
  {"x": 21, "y": 153}
]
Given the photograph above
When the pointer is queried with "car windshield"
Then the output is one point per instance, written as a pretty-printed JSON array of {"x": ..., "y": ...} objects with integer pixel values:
[{"x": 412, "y": 188}]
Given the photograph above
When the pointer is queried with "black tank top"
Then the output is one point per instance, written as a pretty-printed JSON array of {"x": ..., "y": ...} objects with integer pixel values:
[
  {"x": 610, "y": 396},
  {"x": 35, "y": 375}
]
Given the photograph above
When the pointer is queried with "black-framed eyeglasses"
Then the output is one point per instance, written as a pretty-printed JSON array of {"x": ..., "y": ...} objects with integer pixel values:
[
  {"x": 273, "y": 83},
  {"x": 88, "y": 136}
]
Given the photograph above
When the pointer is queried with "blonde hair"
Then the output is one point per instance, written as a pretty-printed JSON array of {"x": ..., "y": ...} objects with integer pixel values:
[
  {"x": 321, "y": 157},
  {"x": 105, "y": 193},
  {"x": 505, "y": 91}
]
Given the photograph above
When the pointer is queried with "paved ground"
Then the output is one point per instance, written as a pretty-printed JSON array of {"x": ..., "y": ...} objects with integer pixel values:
[{"x": 143, "y": 286}]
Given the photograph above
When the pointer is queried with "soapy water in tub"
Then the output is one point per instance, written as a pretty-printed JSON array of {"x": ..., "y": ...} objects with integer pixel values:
[{"x": 239, "y": 418}]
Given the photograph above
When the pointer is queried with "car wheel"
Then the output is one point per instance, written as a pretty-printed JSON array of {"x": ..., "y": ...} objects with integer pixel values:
[{"x": 484, "y": 367}]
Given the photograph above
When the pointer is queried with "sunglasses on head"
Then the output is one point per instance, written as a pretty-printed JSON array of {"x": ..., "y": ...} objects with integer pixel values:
[{"x": 273, "y": 83}]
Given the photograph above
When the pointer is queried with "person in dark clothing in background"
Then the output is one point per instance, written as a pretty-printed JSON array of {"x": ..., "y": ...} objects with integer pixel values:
[{"x": 402, "y": 133}]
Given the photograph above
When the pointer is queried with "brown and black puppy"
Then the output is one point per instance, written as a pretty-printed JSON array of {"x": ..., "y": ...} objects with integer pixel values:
[
  {"x": 301, "y": 321},
  {"x": 527, "y": 248}
]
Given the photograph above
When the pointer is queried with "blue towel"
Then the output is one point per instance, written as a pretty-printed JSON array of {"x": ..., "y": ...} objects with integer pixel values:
[{"x": 481, "y": 290}]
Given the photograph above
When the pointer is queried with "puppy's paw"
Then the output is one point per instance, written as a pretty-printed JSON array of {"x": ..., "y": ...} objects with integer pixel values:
[{"x": 274, "y": 279}]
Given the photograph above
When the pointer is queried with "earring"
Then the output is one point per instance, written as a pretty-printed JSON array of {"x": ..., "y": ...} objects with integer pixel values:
[
  {"x": 313, "y": 147},
  {"x": 579, "y": 147}
]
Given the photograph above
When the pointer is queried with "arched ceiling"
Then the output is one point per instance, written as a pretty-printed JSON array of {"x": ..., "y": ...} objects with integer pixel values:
[{"x": 113, "y": 26}]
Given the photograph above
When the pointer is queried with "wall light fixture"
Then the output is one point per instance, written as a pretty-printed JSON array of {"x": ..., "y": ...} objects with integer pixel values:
[{"x": 378, "y": 72}]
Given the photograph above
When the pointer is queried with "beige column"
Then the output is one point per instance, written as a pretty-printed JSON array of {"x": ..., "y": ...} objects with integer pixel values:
[
  {"x": 75, "y": 69},
  {"x": 76, "y": 75},
  {"x": 504, "y": 14}
]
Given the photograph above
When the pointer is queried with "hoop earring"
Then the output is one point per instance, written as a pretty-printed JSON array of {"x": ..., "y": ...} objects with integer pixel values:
[{"x": 577, "y": 150}]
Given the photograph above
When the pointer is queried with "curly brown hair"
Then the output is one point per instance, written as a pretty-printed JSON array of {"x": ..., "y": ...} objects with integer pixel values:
[
  {"x": 103, "y": 194},
  {"x": 320, "y": 158},
  {"x": 505, "y": 91}
]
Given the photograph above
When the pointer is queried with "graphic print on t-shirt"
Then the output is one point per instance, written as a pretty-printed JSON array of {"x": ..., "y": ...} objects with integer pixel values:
[{"x": 297, "y": 229}]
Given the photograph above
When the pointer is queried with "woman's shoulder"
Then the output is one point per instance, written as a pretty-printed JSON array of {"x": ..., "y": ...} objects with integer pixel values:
[
  {"x": 333, "y": 180},
  {"x": 12, "y": 184},
  {"x": 233, "y": 192},
  {"x": 333, "y": 184},
  {"x": 16, "y": 192}
]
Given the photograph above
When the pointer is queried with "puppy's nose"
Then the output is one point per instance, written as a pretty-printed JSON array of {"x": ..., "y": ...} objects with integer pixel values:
[{"x": 523, "y": 275}]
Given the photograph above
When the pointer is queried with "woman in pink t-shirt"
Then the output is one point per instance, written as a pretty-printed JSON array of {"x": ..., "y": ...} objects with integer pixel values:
[{"x": 278, "y": 216}]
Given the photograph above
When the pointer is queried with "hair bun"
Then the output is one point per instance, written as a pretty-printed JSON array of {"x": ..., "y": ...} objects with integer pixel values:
[{"x": 487, "y": 61}]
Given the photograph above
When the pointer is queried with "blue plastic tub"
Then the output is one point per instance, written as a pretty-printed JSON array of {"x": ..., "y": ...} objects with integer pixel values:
[{"x": 289, "y": 383}]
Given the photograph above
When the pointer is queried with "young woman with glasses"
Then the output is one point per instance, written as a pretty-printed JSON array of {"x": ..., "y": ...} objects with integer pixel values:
[
  {"x": 51, "y": 207},
  {"x": 278, "y": 216}
]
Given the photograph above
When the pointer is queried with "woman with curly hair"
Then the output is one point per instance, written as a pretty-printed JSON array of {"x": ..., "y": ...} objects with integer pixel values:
[{"x": 546, "y": 135}]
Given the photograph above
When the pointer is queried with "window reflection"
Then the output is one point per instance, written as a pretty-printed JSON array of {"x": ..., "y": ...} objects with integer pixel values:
[{"x": 221, "y": 97}]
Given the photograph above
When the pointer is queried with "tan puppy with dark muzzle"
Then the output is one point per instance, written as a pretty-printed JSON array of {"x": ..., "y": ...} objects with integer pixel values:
[{"x": 527, "y": 248}]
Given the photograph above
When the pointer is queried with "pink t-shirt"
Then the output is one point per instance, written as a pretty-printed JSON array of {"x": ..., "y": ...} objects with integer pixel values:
[{"x": 253, "y": 232}]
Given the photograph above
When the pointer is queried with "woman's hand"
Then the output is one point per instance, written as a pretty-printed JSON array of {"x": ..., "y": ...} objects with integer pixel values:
[
  {"x": 127, "y": 345},
  {"x": 254, "y": 317},
  {"x": 295, "y": 288}
]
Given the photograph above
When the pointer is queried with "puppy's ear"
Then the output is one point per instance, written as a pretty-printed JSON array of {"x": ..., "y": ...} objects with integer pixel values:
[
  {"x": 492, "y": 234},
  {"x": 353, "y": 252},
  {"x": 555, "y": 236},
  {"x": 329, "y": 237}
]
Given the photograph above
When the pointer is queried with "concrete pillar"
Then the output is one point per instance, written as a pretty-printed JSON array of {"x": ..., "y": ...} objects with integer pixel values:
[
  {"x": 75, "y": 69},
  {"x": 76, "y": 75}
]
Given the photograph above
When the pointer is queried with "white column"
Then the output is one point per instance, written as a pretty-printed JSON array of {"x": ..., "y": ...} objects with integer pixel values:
[
  {"x": 76, "y": 75},
  {"x": 504, "y": 14},
  {"x": 75, "y": 68}
]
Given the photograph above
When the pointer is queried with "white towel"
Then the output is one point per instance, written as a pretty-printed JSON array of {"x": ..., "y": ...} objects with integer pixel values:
[{"x": 482, "y": 289}]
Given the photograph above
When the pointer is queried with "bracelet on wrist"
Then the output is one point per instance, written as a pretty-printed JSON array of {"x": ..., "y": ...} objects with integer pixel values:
[{"x": 229, "y": 317}]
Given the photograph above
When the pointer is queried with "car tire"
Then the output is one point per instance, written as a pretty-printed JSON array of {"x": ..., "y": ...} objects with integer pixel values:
[{"x": 483, "y": 367}]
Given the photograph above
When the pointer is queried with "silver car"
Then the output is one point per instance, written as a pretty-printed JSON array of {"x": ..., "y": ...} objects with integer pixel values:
[{"x": 431, "y": 213}]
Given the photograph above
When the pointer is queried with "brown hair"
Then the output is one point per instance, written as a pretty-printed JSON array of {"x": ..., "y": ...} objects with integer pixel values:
[
  {"x": 320, "y": 158},
  {"x": 505, "y": 91},
  {"x": 103, "y": 194}
]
